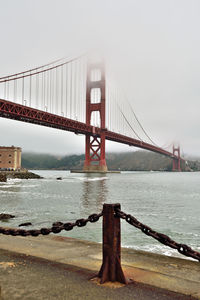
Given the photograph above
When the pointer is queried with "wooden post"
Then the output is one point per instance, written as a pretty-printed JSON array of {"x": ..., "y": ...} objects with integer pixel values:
[{"x": 111, "y": 269}]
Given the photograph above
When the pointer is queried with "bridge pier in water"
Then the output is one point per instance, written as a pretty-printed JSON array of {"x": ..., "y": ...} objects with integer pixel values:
[{"x": 95, "y": 160}]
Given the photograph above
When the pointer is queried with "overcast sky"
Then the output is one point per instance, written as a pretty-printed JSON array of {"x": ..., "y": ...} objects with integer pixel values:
[{"x": 152, "y": 45}]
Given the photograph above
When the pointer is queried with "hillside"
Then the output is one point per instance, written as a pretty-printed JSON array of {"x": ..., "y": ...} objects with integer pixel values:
[{"x": 129, "y": 161}]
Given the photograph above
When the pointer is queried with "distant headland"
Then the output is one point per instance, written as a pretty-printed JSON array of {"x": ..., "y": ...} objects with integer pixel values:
[{"x": 126, "y": 161}]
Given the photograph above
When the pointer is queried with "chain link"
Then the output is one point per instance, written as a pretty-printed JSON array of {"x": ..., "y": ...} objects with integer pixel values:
[
  {"x": 57, "y": 227},
  {"x": 162, "y": 238}
]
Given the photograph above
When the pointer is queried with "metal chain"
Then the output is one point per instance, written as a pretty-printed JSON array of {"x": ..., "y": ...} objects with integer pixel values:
[
  {"x": 162, "y": 238},
  {"x": 56, "y": 227}
]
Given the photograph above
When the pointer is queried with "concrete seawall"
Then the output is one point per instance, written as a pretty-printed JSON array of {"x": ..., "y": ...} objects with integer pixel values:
[{"x": 172, "y": 274}]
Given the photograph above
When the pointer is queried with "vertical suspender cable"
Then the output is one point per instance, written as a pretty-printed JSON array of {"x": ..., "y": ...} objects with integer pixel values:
[
  {"x": 50, "y": 91},
  {"x": 66, "y": 88},
  {"x": 75, "y": 87},
  {"x": 115, "y": 111},
  {"x": 78, "y": 91},
  {"x": 42, "y": 92},
  {"x": 8, "y": 90},
  {"x": 84, "y": 89},
  {"x": 50, "y": 104},
  {"x": 37, "y": 90},
  {"x": 30, "y": 90},
  {"x": 14, "y": 92},
  {"x": 5, "y": 90},
  {"x": 110, "y": 105},
  {"x": 71, "y": 91},
  {"x": 47, "y": 102},
  {"x": 53, "y": 92},
  {"x": 61, "y": 96},
  {"x": 23, "y": 91},
  {"x": 56, "y": 97}
]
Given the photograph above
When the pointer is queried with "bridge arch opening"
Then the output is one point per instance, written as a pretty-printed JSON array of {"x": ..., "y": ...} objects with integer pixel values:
[{"x": 95, "y": 119}]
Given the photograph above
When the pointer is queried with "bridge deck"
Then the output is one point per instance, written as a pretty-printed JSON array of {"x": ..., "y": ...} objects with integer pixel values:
[{"x": 23, "y": 113}]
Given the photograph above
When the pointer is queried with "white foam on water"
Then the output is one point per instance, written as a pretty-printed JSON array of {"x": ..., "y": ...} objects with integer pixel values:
[
  {"x": 18, "y": 185},
  {"x": 14, "y": 180},
  {"x": 96, "y": 179},
  {"x": 159, "y": 249},
  {"x": 6, "y": 186},
  {"x": 9, "y": 183},
  {"x": 86, "y": 179},
  {"x": 8, "y": 192},
  {"x": 29, "y": 186}
]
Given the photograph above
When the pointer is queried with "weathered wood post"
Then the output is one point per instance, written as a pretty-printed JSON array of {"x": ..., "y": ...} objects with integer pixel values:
[{"x": 111, "y": 269}]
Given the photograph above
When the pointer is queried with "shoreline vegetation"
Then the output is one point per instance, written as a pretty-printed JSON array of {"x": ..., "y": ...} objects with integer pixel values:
[{"x": 127, "y": 161}]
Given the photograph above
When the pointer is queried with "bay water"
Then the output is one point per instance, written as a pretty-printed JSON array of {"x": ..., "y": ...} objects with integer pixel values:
[{"x": 168, "y": 202}]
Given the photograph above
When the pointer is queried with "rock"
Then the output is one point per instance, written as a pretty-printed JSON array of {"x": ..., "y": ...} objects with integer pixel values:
[
  {"x": 26, "y": 175},
  {"x": 25, "y": 224},
  {"x": 6, "y": 216},
  {"x": 18, "y": 174},
  {"x": 3, "y": 178}
]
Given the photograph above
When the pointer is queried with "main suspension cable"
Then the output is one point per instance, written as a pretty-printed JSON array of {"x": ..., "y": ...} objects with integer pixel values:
[
  {"x": 35, "y": 70},
  {"x": 141, "y": 125},
  {"x": 129, "y": 123}
]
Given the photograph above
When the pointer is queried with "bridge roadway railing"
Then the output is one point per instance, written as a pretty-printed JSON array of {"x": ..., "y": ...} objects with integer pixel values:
[
  {"x": 111, "y": 269},
  {"x": 116, "y": 137}
]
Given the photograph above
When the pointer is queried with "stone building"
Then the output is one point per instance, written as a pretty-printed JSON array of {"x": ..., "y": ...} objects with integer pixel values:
[{"x": 10, "y": 158}]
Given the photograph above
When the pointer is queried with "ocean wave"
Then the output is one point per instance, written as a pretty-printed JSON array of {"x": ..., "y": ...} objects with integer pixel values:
[
  {"x": 8, "y": 192},
  {"x": 9, "y": 183},
  {"x": 97, "y": 179},
  {"x": 29, "y": 186},
  {"x": 14, "y": 180},
  {"x": 74, "y": 179},
  {"x": 159, "y": 249},
  {"x": 18, "y": 186}
]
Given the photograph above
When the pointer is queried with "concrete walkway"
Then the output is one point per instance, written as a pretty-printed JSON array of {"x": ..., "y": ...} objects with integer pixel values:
[{"x": 54, "y": 267}]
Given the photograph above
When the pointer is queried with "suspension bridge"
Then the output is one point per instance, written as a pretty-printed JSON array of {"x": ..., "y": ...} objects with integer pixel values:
[{"x": 79, "y": 96}]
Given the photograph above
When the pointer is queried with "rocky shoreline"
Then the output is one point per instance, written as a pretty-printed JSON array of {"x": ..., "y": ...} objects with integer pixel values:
[{"x": 4, "y": 175}]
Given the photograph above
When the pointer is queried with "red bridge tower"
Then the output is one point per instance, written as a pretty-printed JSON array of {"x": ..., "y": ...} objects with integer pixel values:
[
  {"x": 95, "y": 160},
  {"x": 176, "y": 161}
]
